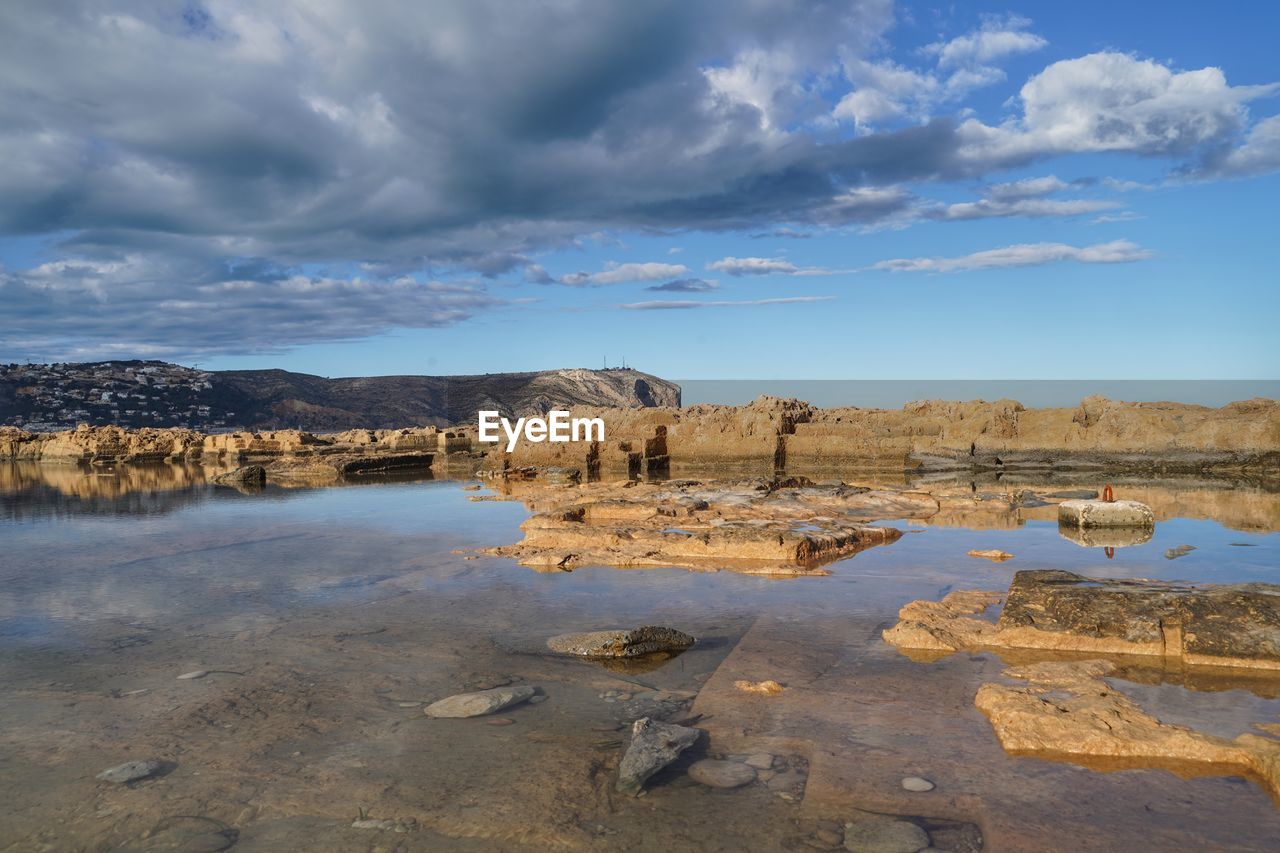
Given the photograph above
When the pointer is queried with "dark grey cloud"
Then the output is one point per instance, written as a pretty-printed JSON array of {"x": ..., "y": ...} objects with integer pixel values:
[{"x": 80, "y": 309}]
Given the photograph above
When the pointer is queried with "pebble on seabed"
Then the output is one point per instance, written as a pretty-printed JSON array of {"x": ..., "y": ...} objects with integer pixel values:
[
  {"x": 130, "y": 771},
  {"x": 715, "y": 773},
  {"x": 917, "y": 784}
]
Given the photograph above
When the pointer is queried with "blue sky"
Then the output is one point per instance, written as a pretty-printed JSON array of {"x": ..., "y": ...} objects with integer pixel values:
[{"x": 986, "y": 191}]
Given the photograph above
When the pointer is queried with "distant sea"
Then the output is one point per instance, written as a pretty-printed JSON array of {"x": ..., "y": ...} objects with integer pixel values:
[{"x": 893, "y": 393}]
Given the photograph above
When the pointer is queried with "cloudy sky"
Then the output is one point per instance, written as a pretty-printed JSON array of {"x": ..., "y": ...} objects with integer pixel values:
[{"x": 755, "y": 189}]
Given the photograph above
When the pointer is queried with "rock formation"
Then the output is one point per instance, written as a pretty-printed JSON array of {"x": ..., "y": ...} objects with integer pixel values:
[
  {"x": 756, "y": 527},
  {"x": 1236, "y": 625},
  {"x": 1068, "y": 710},
  {"x": 775, "y": 434}
]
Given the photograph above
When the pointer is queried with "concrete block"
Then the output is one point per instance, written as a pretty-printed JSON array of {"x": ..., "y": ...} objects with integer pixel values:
[{"x": 1096, "y": 513}]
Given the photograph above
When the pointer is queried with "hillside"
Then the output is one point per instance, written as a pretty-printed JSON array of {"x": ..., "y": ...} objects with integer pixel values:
[{"x": 45, "y": 397}]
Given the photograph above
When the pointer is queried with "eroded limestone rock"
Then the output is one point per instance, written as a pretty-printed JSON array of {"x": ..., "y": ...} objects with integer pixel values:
[
  {"x": 1220, "y": 625},
  {"x": 754, "y": 526},
  {"x": 1069, "y": 710}
]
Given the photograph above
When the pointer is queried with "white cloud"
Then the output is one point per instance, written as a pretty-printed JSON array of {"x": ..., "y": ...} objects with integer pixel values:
[
  {"x": 1022, "y": 255},
  {"x": 884, "y": 90},
  {"x": 753, "y": 266},
  {"x": 1033, "y": 208},
  {"x": 1027, "y": 188},
  {"x": 997, "y": 39},
  {"x": 680, "y": 304},
  {"x": 1114, "y": 102},
  {"x": 1259, "y": 154},
  {"x": 615, "y": 273}
]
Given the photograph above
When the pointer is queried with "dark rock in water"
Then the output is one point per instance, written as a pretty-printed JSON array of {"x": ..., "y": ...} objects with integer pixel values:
[
  {"x": 1178, "y": 551},
  {"x": 1237, "y": 624},
  {"x": 621, "y": 644},
  {"x": 653, "y": 746},
  {"x": 130, "y": 771},
  {"x": 247, "y": 475}
]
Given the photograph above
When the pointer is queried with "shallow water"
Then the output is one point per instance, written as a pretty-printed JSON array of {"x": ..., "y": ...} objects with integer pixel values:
[{"x": 327, "y": 616}]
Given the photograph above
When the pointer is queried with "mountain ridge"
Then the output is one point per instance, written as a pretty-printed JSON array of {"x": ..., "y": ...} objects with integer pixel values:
[{"x": 138, "y": 393}]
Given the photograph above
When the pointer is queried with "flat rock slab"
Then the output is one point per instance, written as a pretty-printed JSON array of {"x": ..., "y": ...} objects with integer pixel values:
[
  {"x": 130, "y": 771},
  {"x": 1083, "y": 513},
  {"x": 653, "y": 746},
  {"x": 481, "y": 702},
  {"x": 1234, "y": 625},
  {"x": 721, "y": 774},
  {"x": 621, "y": 644}
]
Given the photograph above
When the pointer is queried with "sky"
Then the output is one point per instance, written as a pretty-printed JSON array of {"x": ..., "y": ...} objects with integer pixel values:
[{"x": 708, "y": 190}]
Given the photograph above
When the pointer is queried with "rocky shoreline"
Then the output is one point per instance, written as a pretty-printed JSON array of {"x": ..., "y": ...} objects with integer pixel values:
[
  {"x": 795, "y": 437},
  {"x": 769, "y": 435}
]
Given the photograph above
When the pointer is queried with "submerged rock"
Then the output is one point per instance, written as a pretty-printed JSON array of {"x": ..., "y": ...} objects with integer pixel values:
[
  {"x": 621, "y": 644},
  {"x": 1178, "y": 551},
  {"x": 653, "y": 746},
  {"x": 882, "y": 834},
  {"x": 721, "y": 774},
  {"x": 481, "y": 702},
  {"x": 130, "y": 771}
]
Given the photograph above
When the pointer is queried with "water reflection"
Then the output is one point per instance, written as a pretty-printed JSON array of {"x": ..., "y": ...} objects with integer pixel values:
[{"x": 1106, "y": 537}]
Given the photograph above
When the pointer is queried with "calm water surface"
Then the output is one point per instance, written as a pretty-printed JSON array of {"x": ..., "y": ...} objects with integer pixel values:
[{"x": 325, "y": 617}]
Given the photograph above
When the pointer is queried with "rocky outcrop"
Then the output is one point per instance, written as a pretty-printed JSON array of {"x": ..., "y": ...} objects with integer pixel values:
[
  {"x": 776, "y": 434},
  {"x": 356, "y": 451},
  {"x": 754, "y": 527},
  {"x": 1068, "y": 710},
  {"x": 1235, "y": 625}
]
